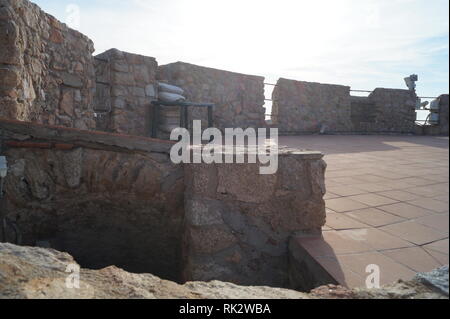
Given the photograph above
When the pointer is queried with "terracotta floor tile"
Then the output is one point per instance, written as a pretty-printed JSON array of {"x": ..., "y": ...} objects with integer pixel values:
[
  {"x": 344, "y": 204},
  {"x": 330, "y": 195},
  {"x": 440, "y": 257},
  {"x": 373, "y": 187},
  {"x": 412, "y": 170},
  {"x": 429, "y": 190},
  {"x": 442, "y": 198},
  {"x": 390, "y": 270},
  {"x": 371, "y": 178},
  {"x": 431, "y": 204},
  {"x": 418, "y": 181},
  {"x": 345, "y": 190},
  {"x": 346, "y": 180},
  {"x": 373, "y": 199},
  {"x": 339, "y": 221},
  {"x": 374, "y": 238},
  {"x": 344, "y": 276},
  {"x": 399, "y": 195},
  {"x": 440, "y": 246},
  {"x": 374, "y": 217},
  {"x": 399, "y": 184},
  {"x": 406, "y": 210},
  {"x": 415, "y": 258},
  {"x": 331, "y": 244},
  {"x": 414, "y": 232},
  {"x": 439, "y": 222},
  {"x": 438, "y": 178}
]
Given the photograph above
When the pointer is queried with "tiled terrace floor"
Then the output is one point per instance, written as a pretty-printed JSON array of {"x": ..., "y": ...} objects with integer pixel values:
[{"x": 387, "y": 204}]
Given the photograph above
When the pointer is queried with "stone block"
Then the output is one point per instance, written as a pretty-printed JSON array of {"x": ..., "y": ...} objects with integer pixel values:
[
  {"x": 242, "y": 220},
  {"x": 71, "y": 80}
]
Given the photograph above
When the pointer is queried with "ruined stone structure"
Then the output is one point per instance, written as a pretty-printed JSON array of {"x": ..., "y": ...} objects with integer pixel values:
[
  {"x": 443, "y": 114},
  {"x": 442, "y": 127},
  {"x": 107, "y": 199},
  {"x": 46, "y": 69},
  {"x": 304, "y": 107},
  {"x": 384, "y": 111},
  {"x": 112, "y": 199},
  {"x": 239, "y": 98},
  {"x": 115, "y": 197},
  {"x": 238, "y": 222},
  {"x": 126, "y": 85}
]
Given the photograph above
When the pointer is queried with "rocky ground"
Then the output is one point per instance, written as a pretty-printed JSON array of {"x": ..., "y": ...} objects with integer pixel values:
[{"x": 33, "y": 273}]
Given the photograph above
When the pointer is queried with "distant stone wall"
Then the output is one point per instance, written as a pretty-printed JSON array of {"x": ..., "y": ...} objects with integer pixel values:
[
  {"x": 107, "y": 199},
  {"x": 306, "y": 107},
  {"x": 125, "y": 89},
  {"x": 440, "y": 129},
  {"x": 443, "y": 114},
  {"x": 385, "y": 111},
  {"x": 239, "y": 98},
  {"x": 238, "y": 222},
  {"x": 46, "y": 68}
]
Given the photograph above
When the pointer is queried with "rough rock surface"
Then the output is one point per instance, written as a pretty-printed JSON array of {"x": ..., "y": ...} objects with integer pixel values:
[
  {"x": 238, "y": 222},
  {"x": 108, "y": 199},
  {"x": 46, "y": 68},
  {"x": 389, "y": 111},
  {"x": 126, "y": 85},
  {"x": 239, "y": 98},
  {"x": 38, "y": 273},
  {"x": 306, "y": 107}
]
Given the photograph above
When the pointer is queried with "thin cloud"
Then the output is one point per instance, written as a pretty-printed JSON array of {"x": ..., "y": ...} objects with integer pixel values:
[{"x": 363, "y": 44}]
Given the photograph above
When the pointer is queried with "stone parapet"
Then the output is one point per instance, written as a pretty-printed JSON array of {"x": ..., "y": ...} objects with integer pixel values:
[
  {"x": 238, "y": 222},
  {"x": 239, "y": 98},
  {"x": 126, "y": 86},
  {"x": 46, "y": 68}
]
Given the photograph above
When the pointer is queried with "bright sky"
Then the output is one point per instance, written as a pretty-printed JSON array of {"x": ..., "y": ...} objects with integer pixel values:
[{"x": 361, "y": 43}]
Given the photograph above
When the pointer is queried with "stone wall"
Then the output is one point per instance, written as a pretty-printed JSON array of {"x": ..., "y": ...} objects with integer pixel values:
[
  {"x": 238, "y": 222},
  {"x": 443, "y": 114},
  {"x": 239, "y": 98},
  {"x": 112, "y": 199},
  {"x": 46, "y": 68},
  {"x": 440, "y": 129},
  {"x": 107, "y": 199},
  {"x": 385, "y": 111},
  {"x": 125, "y": 89},
  {"x": 306, "y": 107}
]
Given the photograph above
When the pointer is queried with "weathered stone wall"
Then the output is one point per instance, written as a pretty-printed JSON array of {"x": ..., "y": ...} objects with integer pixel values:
[
  {"x": 107, "y": 199},
  {"x": 440, "y": 129},
  {"x": 305, "y": 107},
  {"x": 239, "y": 98},
  {"x": 125, "y": 89},
  {"x": 238, "y": 222},
  {"x": 46, "y": 68},
  {"x": 385, "y": 111},
  {"x": 443, "y": 114}
]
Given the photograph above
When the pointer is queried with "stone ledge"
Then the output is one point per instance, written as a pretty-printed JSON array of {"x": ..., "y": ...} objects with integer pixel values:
[{"x": 26, "y": 131}]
